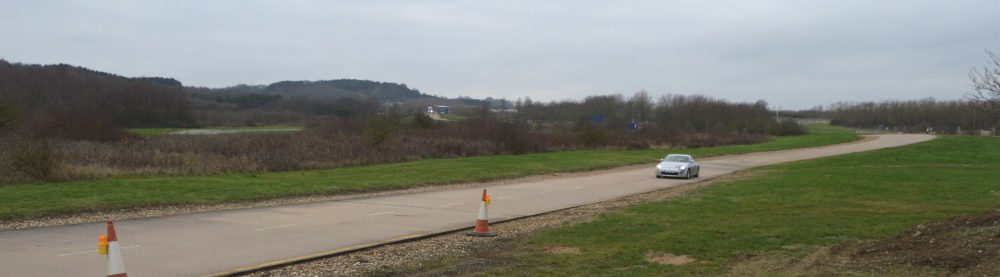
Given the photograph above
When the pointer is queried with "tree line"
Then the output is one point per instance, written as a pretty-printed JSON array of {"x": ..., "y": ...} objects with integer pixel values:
[
  {"x": 669, "y": 113},
  {"x": 949, "y": 116}
]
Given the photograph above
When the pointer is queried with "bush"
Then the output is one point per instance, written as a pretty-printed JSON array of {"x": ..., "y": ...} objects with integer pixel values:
[
  {"x": 29, "y": 158},
  {"x": 513, "y": 137},
  {"x": 788, "y": 127},
  {"x": 590, "y": 133},
  {"x": 378, "y": 131},
  {"x": 423, "y": 120}
]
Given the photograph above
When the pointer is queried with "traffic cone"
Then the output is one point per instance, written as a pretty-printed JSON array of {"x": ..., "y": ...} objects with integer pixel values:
[
  {"x": 483, "y": 225},
  {"x": 116, "y": 266}
]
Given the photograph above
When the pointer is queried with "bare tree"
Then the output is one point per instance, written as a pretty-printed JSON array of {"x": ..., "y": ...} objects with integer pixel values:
[
  {"x": 986, "y": 82},
  {"x": 639, "y": 106}
]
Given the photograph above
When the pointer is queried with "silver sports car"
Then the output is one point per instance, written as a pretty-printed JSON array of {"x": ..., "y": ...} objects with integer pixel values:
[{"x": 678, "y": 165}]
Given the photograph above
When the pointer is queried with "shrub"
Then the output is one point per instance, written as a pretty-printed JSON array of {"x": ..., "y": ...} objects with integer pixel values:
[
  {"x": 378, "y": 131},
  {"x": 513, "y": 137},
  {"x": 788, "y": 127},
  {"x": 590, "y": 133},
  {"x": 30, "y": 158},
  {"x": 423, "y": 120}
]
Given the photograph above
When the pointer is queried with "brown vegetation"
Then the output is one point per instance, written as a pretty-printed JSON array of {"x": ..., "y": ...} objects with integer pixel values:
[{"x": 333, "y": 143}]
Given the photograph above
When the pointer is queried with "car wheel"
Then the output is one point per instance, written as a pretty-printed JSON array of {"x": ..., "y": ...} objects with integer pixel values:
[
  {"x": 697, "y": 173},
  {"x": 687, "y": 174}
]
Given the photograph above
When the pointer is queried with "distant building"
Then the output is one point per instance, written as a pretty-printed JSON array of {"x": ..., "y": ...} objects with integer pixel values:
[{"x": 440, "y": 109}]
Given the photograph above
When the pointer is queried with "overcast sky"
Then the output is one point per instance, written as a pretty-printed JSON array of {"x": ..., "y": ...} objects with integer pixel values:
[{"x": 794, "y": 54}]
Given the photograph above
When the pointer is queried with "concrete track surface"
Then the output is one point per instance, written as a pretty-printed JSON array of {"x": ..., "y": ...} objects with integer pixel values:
[{"x": 214, "y": 242}]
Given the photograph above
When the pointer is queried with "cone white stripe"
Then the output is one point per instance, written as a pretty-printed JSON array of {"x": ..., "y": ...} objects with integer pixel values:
[
  {"x": 482, "y": 210},
  {"x": 115, "y": 263}
]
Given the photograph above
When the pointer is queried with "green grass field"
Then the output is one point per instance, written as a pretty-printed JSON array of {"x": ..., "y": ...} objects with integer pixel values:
[
  {"x": 27, "y": 200},
  {"x": 784, "y": 210},
  {"x": 152, "y": 132}
]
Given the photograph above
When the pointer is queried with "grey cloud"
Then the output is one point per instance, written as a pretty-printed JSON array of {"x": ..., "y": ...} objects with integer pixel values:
[{"x": 795, "y": 54}]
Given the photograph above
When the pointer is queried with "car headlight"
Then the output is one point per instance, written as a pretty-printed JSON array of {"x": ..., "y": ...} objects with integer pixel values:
[
  {"x": 682, "y": 167},
  {"x": 659, "y": 167}
]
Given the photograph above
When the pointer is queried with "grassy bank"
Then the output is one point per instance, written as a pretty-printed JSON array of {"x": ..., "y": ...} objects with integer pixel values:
[
  {"x": 784, "y": 210},
  {"x": 26, "y": 200}
]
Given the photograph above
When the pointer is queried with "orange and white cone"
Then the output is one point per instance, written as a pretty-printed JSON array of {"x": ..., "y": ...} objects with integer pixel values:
[
  {"x": 482, "y": 224},
  {"x": 116, "y": 266}
]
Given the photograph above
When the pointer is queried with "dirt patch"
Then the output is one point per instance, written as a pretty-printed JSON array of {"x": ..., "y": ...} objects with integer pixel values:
[
  {"x": 668, "y": 259},
  {"x": 563, "y": 250},
  {"x": 961, "y": 246}
]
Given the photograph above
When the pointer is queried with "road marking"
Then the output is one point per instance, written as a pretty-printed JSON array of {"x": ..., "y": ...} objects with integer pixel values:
[
  {"x": 452, "y": 204},
  {"x": 95, "y": 251},
  {"x": 547, "y": 191},
  {"x": 382, "y": 213},
  {"x": 275, "y": 227}
]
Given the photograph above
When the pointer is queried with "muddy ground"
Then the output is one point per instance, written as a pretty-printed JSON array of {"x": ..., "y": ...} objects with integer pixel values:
[{"x": 961, "y": 246}]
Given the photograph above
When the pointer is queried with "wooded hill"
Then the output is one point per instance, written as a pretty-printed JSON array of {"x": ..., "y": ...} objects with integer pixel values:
[
  {"x": 75, "y": 102},
  {"x": 72, "y": 102}
]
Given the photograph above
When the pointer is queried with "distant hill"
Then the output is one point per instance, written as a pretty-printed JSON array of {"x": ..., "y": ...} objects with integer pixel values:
[
  {"x": 381, "y": 91},
  {"x": 62, "y": 97},
  {"x": 51, "y": 97},
  {"x": 325, "y": 90}
]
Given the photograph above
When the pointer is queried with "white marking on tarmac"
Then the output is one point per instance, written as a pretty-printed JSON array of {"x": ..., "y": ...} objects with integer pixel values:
[
  {"x": 547, "y": 191},
  {"x": 382, "y": 213},
  {"x": 276, "y": 227},
  {"x": 452, "y": 204},
  {"x": 95, "y": 251},
  {"x": 504, "y": 197}
]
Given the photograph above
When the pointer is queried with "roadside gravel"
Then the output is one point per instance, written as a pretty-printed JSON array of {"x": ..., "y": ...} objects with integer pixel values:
[{"x": 409, "y": 257}]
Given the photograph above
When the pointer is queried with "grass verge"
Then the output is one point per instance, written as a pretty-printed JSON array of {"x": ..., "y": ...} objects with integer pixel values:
[
  {"x": 787, "y": 210},
  {"x": 32, "y": 200}
]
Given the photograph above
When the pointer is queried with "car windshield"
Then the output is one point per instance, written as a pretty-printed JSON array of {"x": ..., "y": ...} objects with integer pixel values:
[{"x": 682, "y": 159}]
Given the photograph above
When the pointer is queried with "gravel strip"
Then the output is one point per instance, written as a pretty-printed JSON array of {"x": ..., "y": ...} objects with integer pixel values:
[
  {"x": 407, "y": 258},
  {"x": 144, "y": 212}
]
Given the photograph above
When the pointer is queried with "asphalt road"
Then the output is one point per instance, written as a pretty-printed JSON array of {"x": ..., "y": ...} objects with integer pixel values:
[{"x": 214, "y": 242}]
